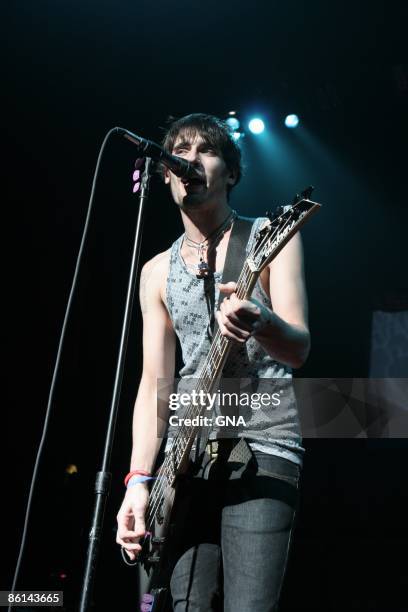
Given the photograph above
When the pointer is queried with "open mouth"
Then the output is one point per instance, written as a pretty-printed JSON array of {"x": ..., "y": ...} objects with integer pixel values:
[{"x": 194, "y": 184}]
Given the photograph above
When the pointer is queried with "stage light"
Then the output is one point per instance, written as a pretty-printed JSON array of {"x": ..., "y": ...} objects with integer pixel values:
[
  {"x": 292, "y": 121},
  {"x": 232, "y": 123},
  {"x": 256, "y": 125},
  {"x": 237, "y": 135}
]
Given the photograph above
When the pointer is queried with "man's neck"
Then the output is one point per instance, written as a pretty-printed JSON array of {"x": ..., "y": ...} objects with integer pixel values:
[{"x": 200, "y": 223}]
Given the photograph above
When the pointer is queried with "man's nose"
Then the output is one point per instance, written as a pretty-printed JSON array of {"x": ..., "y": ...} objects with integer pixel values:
[{"x": 193, "y": 155}]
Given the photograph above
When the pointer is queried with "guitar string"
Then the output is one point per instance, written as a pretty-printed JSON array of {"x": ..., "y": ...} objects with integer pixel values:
[
  {"x": 215, "y": 357},
  {"x": 222, "y": 344},
  {"x": 159, "y": 486},
  {"x": 176, "y": 451},
  {"x": 178, "y": 444},
  {"x": 216, "y": 348},
  {"x": 242, "y": 290},
  {"x": 175, "y": 455}
]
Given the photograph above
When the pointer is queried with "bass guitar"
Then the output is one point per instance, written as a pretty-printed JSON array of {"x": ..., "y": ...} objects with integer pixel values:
[{"x": 268, "y": 242}]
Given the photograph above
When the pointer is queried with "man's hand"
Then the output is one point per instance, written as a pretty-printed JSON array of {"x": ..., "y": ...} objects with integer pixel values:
[
  {"x": 131, "y": 519},
  {"x": 241, "y": 319}
]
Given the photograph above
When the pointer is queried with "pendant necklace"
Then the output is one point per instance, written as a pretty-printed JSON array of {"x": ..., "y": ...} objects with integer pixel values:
[{"x": 203, "y": 269}]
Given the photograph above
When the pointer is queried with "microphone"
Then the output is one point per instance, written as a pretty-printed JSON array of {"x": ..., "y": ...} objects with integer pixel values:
[{"x": 179, "y": 166}]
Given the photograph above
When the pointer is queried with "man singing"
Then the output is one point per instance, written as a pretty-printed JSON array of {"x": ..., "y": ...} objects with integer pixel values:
[{"x": 232, "y": 549}]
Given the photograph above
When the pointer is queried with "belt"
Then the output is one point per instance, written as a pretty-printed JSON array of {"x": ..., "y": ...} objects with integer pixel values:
[
  {"x": 212, "y": 448},
  {"x": 232, "y": 449}
]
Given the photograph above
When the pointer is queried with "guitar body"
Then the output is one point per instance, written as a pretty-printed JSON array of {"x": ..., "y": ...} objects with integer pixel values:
[{"x": 154, "y": 593}]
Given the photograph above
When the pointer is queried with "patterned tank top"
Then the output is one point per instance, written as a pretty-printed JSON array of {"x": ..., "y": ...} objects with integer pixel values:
[{"x": 191, "y": 303}]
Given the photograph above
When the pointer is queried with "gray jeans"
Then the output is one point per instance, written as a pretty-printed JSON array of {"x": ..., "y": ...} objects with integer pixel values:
[{"x": 233, "y": 535}]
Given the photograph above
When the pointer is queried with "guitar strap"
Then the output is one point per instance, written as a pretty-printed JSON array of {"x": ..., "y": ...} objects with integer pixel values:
[
  {"x": 236, "y": 251},
  {"x": 234, "y": 262}
]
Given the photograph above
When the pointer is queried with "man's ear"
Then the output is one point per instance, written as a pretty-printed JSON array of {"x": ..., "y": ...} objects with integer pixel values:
[
  {"x": 166, "y": 175},
  {"x": 232, "y": 177}
]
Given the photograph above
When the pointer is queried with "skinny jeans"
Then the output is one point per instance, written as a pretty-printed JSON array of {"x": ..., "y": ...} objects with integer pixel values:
[{"x": 233, "y": 534}]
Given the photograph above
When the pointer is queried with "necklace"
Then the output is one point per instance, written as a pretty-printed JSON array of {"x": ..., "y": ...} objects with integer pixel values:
[{"x": 208, "y": 244}]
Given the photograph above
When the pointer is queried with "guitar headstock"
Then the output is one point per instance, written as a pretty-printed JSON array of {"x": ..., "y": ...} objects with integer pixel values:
[{"x": 282, "y": 225}]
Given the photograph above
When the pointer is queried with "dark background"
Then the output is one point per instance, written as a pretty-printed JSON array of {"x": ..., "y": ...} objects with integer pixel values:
[{"x": 73, "y": 70}]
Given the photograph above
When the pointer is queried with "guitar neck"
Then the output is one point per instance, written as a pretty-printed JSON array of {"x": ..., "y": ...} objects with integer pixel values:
[
  {"x": 269, "y": 241},
  {"x": 207, "y": 382},
  {"x": 220, "y": 346}
]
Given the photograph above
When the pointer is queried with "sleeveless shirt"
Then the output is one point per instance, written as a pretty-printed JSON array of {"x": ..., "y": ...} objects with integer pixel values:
[{"x": 191, "y": 303}]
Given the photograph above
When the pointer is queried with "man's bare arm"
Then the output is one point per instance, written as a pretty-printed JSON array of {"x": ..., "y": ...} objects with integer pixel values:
[
  {"x": 283, "y": 331},
  {"x": 158, "y": 363}
]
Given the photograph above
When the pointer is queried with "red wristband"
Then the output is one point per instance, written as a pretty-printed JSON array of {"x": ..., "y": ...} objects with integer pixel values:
[{"x": 135, "y": 473}]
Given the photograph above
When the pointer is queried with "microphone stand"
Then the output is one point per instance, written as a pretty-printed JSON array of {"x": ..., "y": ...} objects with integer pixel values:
[{"x": 103, "y": 477}]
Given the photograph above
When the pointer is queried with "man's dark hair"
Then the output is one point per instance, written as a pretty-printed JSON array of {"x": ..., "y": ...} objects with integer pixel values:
[{"x": 213, "y": 131}]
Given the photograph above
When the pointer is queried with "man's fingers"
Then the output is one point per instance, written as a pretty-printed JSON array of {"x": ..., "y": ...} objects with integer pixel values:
[
  {"x": 241, "y": 323},
  {"x": 132, "y": 537},
  {"x": 227, "y": 288},
  {"x": 132, "y": 550},
  {"x": 247, "y": 316},
  {"x": 229, "y": 333},
  {"x": 233, "y": 323},
  {"x": 131, "y": 522},
  {"x": 241, "y": 307},
  {"x": 130, "y": 554},
  {"x": 238, "y": 332},
  {"x": 129, "y": 545},
  {"x": 242, "y": 319},
  {"x": 130, "y": 541},
  {"x": 127, "y": 533},
  {"x": 130, "y": 529},
  {"x": 245, "y": 307}
]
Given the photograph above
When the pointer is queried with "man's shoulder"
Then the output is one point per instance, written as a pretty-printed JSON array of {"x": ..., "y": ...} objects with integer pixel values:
[
  {"x": 157, "y": 265},
  {"x": 154, "y": 274}
]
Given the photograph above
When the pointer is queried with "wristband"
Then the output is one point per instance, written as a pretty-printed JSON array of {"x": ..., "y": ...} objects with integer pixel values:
[
  {"x": 134, "y": 480},
  {"x": 135, "y": 473}
]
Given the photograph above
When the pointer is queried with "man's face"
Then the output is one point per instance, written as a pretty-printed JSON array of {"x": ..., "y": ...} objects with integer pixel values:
[{"x": 216, "y": 177}]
